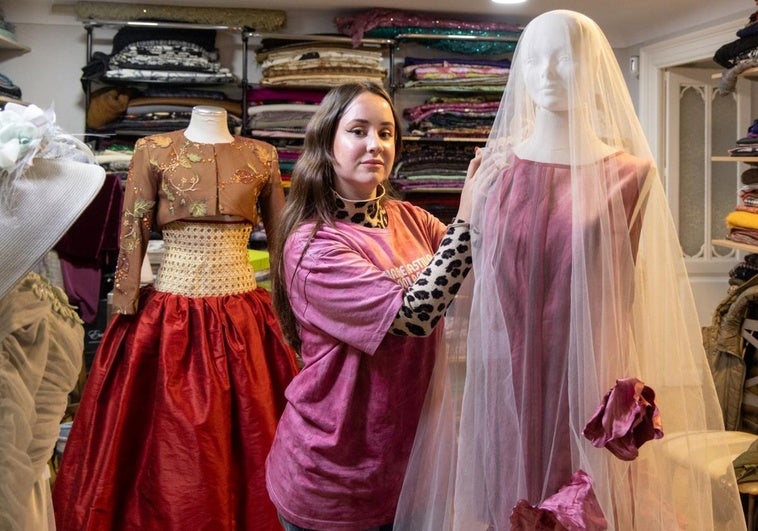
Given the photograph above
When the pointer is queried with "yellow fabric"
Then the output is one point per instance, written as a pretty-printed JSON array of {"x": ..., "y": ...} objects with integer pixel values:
[
  {"x": 259, "y": 259},
  {"x": 739, "y": 218}
]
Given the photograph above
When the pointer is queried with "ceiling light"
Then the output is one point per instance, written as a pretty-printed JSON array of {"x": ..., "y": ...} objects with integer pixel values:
[{"x": 509, "y": 1}]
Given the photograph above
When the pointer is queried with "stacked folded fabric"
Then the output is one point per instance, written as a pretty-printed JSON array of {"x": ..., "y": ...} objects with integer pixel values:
[
  {"x": 460, "y": 117},
  {"x": 747, "y": 146},
  {"x": 738, "y": 55},
  {"x": 279, "y": 116},
  {"x": 176, "y": 64},
  {"x": 166, "y": 54},
  {"x": 453, "y": 74},
  {"x": 390, "y": 23},
  {"x": 8, "y": 90},
  {"x": 318, "y": 64},
  {"x": 433, "y": 166},
  {"x": 433, "y": 172},
  {"x": 126, "y": 110},
  {"x": 742, "y": 222}
]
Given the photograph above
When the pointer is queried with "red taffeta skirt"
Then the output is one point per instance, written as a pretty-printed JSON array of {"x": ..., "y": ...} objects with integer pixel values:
[{"x": 177, "y": 417}]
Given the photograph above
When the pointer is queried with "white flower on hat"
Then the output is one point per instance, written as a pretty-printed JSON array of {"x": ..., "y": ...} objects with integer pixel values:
[
  {"x": 28, "y": 132},
  {"x": 21, "y": 131},
  {"x": 47, "y": 179}
]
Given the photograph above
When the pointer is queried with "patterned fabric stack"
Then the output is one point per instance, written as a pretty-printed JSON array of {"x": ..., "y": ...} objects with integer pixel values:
[
  {"x": 461, "y": 117},
  {"x": 742, "y": 222},
  {"x": 316, "y": 64},
  {"x": 166, "y": 60},
  {"x": 279, "y": 116},
  {"x": 454, "y": 74}
]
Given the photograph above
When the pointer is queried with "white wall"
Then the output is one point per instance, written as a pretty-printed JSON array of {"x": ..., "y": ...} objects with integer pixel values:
[{"x": 50, "y": 72}]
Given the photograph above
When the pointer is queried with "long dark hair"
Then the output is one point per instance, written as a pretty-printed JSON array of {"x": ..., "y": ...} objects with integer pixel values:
[{"x": 310, "y": 196}]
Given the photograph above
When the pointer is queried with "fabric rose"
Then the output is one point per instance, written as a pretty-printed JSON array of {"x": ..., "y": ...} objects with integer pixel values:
[{"x": 625, "y": 420}]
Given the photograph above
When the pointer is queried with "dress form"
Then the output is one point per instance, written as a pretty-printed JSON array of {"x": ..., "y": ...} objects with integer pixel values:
[
  {"x": 551, "y": 140},
  {"x": 208, "y": 125},
  {"x": 579, "y": 281}
]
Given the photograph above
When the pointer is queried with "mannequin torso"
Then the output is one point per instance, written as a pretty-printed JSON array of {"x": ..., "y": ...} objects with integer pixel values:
[
  {"x": 208, "y": 125},
  {"x": 551, "y": 141}
]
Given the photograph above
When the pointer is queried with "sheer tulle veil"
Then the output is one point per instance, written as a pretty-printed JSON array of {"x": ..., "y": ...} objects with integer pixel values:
[{"x": 578, "y": 282}]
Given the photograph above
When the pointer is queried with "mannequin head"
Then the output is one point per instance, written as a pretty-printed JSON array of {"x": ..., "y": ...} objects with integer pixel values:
[
  {"x": 549, "y": 66},
  {"x": 556, "y": 55},
  {"x": 566, "y": 97}
]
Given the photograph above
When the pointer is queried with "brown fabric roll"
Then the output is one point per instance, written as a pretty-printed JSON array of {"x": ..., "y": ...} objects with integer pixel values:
[
  {"x": 749, "y": 176},
  {"x": 106, "y": 105}
]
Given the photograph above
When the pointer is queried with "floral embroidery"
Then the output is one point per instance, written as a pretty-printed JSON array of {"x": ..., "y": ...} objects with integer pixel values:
[
  {"x": 174, "y": 178},
  {"x": 198, "y": 208},
  {"x": 45, "y": 291},
  {"x": 161, "y": 141},
  {"x": 249, "y": 177},
  {"x": 142, "y": 207}
]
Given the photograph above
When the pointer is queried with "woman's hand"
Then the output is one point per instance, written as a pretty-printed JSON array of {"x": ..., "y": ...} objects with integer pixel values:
[{"x": 464, "y": 208}]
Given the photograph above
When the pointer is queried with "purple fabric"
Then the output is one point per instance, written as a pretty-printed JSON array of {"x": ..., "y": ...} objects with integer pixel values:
[
  {"x": 573, "y": 508},
  {"x": 268, "y": 95},
  {"x": 90, "y": 242},
  {"x": 535, "y": 203},
  {"x": 626, "y": 419},
  {"x": 82, "y": 285}
]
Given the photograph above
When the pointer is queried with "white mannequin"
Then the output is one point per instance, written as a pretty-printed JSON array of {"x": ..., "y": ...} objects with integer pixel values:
[
  {"x": 208, "y": 125},
  {"x": 548, "y": 74}
]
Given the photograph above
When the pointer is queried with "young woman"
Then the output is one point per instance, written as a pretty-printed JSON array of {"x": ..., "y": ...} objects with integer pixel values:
[{"x": 361, "y": 290}]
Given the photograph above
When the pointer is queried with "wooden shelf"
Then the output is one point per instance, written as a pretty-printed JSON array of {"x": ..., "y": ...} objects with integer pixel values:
[
  {"x": 6, "y": 43},
  {"x": 750, "y": 73},
  {"x": 417, "y": 138},
  {"x": 736, "y": 245},
  {"x": 735, "y": 159}
]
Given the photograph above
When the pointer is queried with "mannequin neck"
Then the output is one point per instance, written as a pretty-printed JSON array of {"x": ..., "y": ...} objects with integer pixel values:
[
  {"x": 208, "y": 125},
  {"x": 556, "y": 133}
]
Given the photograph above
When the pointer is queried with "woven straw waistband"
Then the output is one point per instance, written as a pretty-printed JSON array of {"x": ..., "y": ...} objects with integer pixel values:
[{"x": 205, "y": 259}]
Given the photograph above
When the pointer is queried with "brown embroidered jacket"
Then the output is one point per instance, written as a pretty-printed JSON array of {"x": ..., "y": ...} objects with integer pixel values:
[{"x": 172, "y": 178}]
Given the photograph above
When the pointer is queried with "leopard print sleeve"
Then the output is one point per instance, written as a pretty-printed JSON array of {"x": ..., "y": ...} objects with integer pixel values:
[{"x": 427, "y": 300}]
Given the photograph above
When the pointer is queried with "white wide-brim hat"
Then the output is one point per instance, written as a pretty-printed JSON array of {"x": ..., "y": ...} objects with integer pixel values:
[{"x": 46, "y": 200}]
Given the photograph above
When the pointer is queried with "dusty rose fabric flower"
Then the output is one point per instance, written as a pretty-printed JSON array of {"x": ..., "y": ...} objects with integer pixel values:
[
  {"x": 625, "y": 420},
  {"x": 573, "y": 508}
]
